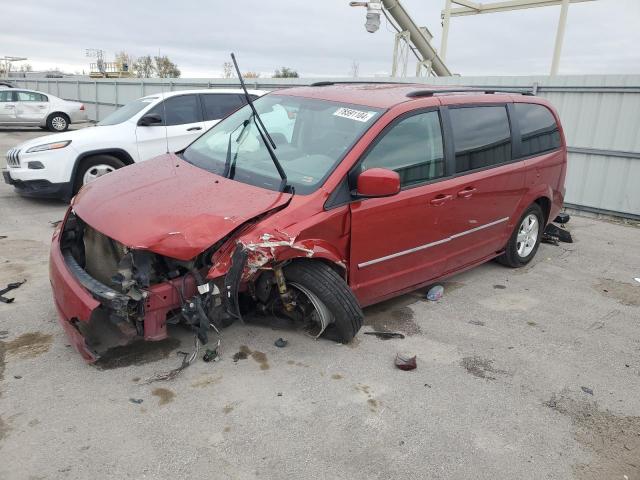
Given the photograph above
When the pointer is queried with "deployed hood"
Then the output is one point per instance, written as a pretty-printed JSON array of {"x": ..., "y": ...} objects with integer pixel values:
[{"x": 170, "y": 207}]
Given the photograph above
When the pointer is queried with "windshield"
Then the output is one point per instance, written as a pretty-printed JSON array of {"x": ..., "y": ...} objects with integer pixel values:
[
  {"x": 311, "y": 137},
  {"x": 125, "y": 113}
]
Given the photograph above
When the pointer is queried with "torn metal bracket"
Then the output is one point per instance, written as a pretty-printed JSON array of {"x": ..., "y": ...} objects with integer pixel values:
[{"x": 232, "y": 281}]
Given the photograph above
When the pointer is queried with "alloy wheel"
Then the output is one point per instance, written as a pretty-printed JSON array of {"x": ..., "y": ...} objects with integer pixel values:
[
  {"x": 527, "y": 235},
  {"x": 96, "y": 171}
]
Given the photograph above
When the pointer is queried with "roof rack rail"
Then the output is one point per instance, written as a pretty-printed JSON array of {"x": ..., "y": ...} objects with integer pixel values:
[
  {"x": 327, "y": 83},
  {"x": 490, "y": 91}
]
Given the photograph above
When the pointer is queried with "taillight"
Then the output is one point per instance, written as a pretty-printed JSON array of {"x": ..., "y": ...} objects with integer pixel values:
[{"x": 81, "y": 106}]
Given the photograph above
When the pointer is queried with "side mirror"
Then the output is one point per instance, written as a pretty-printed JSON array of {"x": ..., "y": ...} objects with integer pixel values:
[
  {"x": 149, "y": 119},
  {"x": 378, "y": 182}
]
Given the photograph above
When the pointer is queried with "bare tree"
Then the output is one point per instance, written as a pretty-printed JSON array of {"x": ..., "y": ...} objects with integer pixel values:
[
  {"x": 355, "y": 69},
  {"x": 227, "y": 70},
  {"x": 165, "y": 68},
  {"x": 144, "y": 67},
  {"x": 285, "y": 72},
  {"x": 251, "y": 75}
]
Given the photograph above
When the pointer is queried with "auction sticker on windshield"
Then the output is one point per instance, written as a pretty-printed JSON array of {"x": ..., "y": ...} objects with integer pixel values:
[{"x": 358, "y": 115}]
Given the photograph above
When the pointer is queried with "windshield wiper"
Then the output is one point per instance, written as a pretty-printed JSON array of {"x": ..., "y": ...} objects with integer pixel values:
[
  {"x": 264, "y": 134},
  {"x": 229, "y": 167}
]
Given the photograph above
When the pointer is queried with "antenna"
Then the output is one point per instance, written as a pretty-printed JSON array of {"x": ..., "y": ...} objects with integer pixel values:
[{"x": 164, "y": 112}]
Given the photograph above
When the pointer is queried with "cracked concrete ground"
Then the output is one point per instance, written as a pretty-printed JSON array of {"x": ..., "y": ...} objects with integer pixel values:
[{"x": 502, "y": 359}]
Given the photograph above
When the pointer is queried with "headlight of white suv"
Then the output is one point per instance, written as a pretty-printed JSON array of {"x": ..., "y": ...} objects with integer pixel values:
[{"x": 48, "y": 146}]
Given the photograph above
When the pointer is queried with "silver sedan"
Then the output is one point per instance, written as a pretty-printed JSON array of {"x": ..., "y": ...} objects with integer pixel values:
[{"x": 29, "y": 108}]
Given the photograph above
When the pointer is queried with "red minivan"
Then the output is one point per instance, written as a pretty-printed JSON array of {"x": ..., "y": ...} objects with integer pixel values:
[{"x": 331, "y": 198}]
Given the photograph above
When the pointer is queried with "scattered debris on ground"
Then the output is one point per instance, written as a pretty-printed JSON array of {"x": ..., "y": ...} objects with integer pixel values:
[
  {"x": 385, "y": 335},
  {"x": 213, "y": 354},
  {"x": 8, "y": 288},
  {"x": 281, "y": 343},
  {"x": 405, "y": 362},
  {"x": 435, "y": 293},
  {"x": 187, "y": 359},
  {"x": 587, "y": 390},
  {"x": 136, "y": 400},
  {"x": 553, "y": 234}
]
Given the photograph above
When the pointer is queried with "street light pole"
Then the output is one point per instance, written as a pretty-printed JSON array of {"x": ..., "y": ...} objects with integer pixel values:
[{"x": 562, "y": 25}]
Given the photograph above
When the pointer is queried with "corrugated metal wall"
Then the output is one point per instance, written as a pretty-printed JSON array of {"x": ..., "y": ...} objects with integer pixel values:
[{"x": 600, "y": 115}]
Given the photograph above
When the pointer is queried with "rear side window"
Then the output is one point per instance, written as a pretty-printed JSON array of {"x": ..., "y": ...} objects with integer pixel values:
[
  {"x": 6, "y": 96},
  {"x": 219, "y": 105},
  {"x": 412, "y": 147},
  {"x": 481, "y": 136},
  {"x": 179, "y": 110},
  {"x": 31, "y": 97},
  {"x": 538, "y": 128}
]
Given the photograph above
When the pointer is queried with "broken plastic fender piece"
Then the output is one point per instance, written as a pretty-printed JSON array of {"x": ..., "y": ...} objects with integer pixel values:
[{"x": 404, "y": 362}]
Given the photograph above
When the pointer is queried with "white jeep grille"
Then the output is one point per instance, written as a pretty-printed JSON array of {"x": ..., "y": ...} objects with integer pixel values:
[{"x": 13, "y": 158}]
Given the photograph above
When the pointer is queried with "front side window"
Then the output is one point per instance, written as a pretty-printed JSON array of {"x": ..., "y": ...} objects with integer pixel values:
[
  {"x": 311, "y": 136},
  {"x": 538, "y": 128},
  {"x": 219, "y": 105},
  {"x": 31, "y": 97},
  {"x": 179, "y": 110},
  {"x": 412, "y": 147},
  {"x": 481, "y": 136},
  {"x": 126, "y": 112}
]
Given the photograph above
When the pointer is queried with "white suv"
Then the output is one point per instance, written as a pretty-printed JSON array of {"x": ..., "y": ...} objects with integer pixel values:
[{"x": 56, "y": 166}]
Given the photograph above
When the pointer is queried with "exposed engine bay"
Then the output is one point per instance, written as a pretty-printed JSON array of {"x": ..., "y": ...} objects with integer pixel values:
[{"x": 141, "y": 292}]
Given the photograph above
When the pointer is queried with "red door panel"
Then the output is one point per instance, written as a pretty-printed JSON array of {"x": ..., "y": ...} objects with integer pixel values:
[
  {"x": 400, "y": 241},
  {"x": 484, "y": 208}
]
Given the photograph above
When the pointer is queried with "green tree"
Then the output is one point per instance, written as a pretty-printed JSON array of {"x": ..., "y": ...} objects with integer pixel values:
[{"x": 285, "y": 72}]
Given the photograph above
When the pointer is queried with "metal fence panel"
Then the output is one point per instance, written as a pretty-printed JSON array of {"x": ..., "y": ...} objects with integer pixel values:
[{"x": 600, "y": 115}]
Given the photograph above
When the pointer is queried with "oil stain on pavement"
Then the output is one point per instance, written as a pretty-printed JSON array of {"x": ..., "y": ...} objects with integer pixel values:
[
  {"x": 137, "y": 353},
  {"x": 614, "y": 440},
  {"x": 164, "y": 394},
  {"x": 625, "y": 293},
  {"x": 481, "y": 367}
]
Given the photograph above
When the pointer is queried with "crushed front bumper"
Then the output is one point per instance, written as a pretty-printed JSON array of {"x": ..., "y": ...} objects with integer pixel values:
[{"x": 86, "y": 307}]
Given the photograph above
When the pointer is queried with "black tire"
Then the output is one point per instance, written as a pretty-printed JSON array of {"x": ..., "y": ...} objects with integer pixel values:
[
  {"x": 88, "y": 163},
  {"x": 332, "y": 290},
  {"x": 511, "y": 257},
  {"x": 58, "y": 122}
]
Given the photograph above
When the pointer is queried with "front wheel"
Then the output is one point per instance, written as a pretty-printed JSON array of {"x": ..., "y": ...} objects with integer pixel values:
[
  {"x": 525, "y": 240},
  {"x": 58, "y": 122},
  {"x": 326, "y": 298},
  {"x": 94, "y": 167}
]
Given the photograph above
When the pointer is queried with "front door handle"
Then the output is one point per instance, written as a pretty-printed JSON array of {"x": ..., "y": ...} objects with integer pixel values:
[
  {"x": 466, "y": 192},
  {"x": 440, "y": 199},
  {"x": 10, "y": 106},
  {"x": 193, "y": 128}
]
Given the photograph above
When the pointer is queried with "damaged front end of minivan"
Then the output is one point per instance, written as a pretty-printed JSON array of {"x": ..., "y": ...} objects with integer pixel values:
[{"x": 109, "y": 294}]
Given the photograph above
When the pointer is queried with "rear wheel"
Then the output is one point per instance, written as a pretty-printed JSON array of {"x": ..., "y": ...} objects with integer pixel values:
[
  {"x": 525, "y": 240},
  {"x": 328, "y": 299},
  {"x": 58, "y": 122},
  {"x": 94, "y": 167}
]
